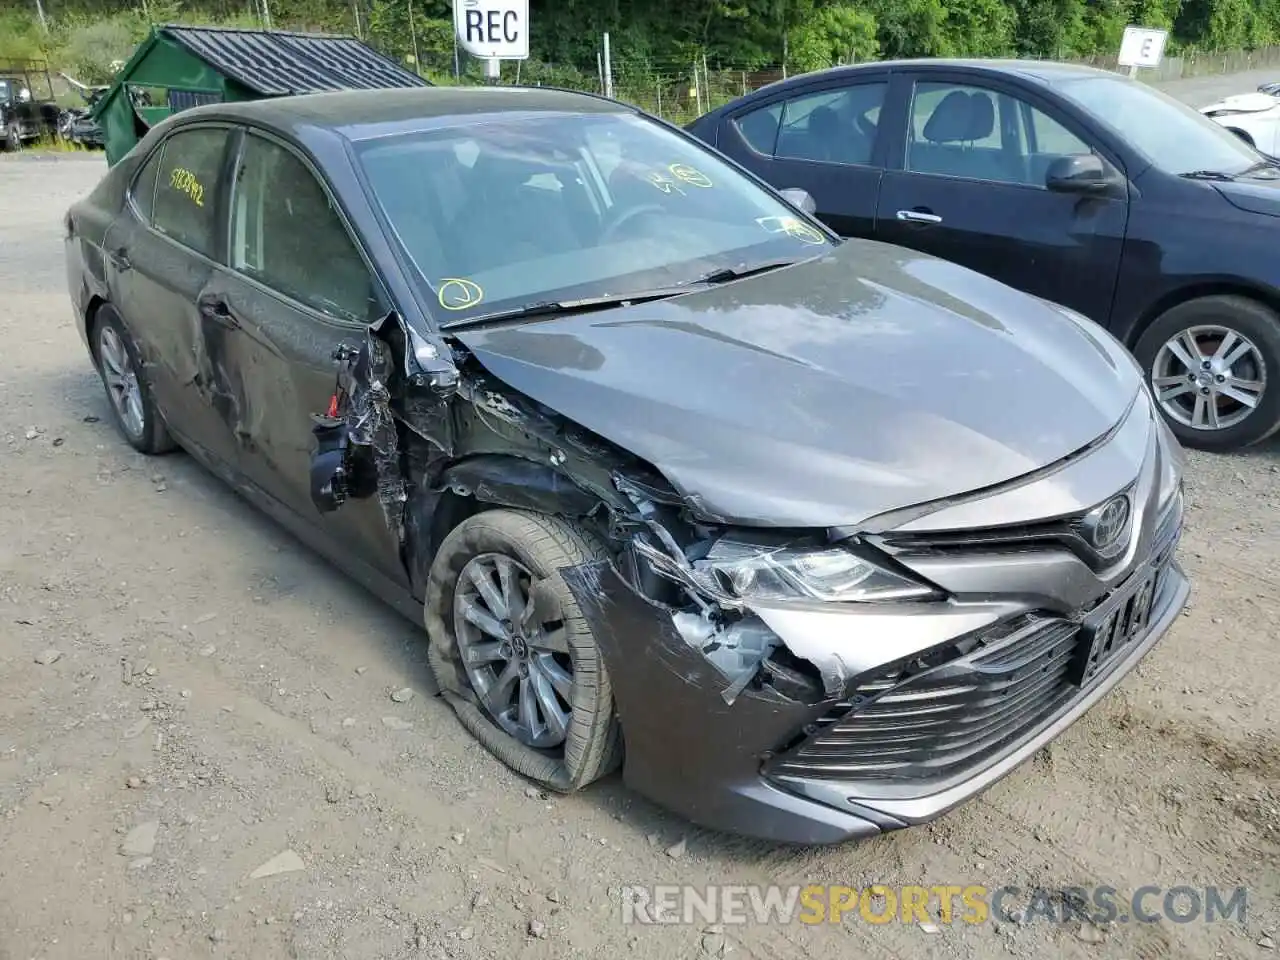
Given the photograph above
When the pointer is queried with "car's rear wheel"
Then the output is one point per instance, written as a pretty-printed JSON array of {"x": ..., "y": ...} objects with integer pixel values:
[
  {"x": 1214, "y": 368},
  {"x": 512, "y": 651},
  {"x": 12, "y": 138},
  {"x": 128, "y": 393}
]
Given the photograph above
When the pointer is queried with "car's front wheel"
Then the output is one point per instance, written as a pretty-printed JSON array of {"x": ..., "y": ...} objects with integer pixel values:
[
  {"x": 512, "y": 651},
  {"x": 128, "y": 393},
  {"x": 1214, "y": 368}
]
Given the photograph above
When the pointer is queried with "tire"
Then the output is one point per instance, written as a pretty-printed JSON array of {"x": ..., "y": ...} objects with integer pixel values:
[
  {"x": 12, "y": 138},
  {"x": 146, "y": 431},
  {"x": 1253, "y": 374},
  {"x": 543, "y": 545}
]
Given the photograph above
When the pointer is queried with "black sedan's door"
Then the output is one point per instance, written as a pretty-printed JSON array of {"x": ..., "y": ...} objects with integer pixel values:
[
  {"x": 294, "y": 288},
  {"x": 825, "y": 139},
  {"x": 967, "y": 183},
  {"x": 161, "y": 252}
]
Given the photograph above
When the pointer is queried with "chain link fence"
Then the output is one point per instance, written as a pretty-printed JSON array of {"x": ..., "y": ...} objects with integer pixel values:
[{"x": 679, "y": 91}]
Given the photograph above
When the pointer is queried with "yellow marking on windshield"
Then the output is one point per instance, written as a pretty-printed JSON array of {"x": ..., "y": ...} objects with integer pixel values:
[
  {"x": 186, "y": 182},
  {"x": 793, "y": 227},
  {"x": 663, "y": 183},
  {"x": 690, "y": 175},
  {"x": 456, "y": 293}
]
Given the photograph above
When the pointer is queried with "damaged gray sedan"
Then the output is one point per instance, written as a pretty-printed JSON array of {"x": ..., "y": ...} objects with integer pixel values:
[{"x": 814, "y": 539}]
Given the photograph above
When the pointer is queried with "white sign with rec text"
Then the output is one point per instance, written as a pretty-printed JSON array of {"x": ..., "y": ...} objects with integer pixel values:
[
  {"x": 493, "y": 29},
  {"x": 1142, "y": 46}
]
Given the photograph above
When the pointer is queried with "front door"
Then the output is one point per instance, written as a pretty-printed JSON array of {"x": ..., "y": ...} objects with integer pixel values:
[
  {"x": 295, "y": 287},
  {"x": 824, "y": 139},
  {"x": 161, "y": 252},
  {"x": 968, "y": 185}
]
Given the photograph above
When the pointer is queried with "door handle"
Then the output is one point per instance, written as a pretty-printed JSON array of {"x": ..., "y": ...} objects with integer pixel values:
[
  {"x": 216, "y": 309},
  {"x": 919, "y": 216},
  {"x": 120, "y": 259}
]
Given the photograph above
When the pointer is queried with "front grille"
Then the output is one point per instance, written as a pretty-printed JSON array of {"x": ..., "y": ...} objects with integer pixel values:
[{"x": 952, "y": 718}]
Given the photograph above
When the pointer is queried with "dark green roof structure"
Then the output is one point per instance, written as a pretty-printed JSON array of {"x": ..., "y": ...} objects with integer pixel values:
[{"x": 183, "y": 67}]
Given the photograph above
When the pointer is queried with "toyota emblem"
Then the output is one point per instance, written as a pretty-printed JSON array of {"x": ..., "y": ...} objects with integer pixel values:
[{"x": 1104, "y": 526}]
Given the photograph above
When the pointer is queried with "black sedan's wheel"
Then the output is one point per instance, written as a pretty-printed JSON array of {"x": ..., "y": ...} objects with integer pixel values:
[
  {"x": 512, "y": 651},
  {"x": 1214, "y": 368},
  {"x": 128, "y": 393}
]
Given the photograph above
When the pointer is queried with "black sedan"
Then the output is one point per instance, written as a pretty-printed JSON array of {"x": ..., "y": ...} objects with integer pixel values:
[
  {"x": 825, "y": 536},
  {"x": 1081, "y": 186}
]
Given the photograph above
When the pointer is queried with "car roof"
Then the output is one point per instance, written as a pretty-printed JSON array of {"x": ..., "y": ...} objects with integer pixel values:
[
  {"x": 353, "y": 113},
  {"x": 1045, "y": 72}
]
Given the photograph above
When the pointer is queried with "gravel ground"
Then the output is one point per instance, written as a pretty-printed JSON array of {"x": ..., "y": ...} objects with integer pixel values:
[{"x": 188, "y": 697}]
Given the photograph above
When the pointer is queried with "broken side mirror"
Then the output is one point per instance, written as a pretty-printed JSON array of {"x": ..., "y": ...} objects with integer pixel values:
[
  {"x": 1080, "y": 173},
  {"x": 801, "y": 198}
]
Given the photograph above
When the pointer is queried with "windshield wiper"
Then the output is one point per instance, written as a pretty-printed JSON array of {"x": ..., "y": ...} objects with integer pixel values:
[
  {"x": 725, "y": 274},
  {"x": 1266, "y": 163},
  {"x": 1208, "y": 175},
  {"x": 560, "y": 308}
]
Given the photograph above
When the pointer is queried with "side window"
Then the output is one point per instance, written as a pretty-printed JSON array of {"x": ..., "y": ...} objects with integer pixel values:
[
  {"x": 186, "y": 202},
  {"x": 144, "y": 184},
  {"x": 835, "y": 126},
  {"x": 1051, "y": 137},
  {"x": 286, "y": 234},
  {"x": 760, "y": 128},
  {"x": 981, "y": 134}
]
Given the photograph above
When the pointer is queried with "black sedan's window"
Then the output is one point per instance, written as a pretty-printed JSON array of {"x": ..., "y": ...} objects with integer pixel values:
[
  {"x": 286, "y": 234},
  {"x": 186, "y": 201}
]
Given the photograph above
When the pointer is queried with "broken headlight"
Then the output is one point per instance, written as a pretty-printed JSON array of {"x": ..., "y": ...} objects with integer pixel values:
[{"x": 755, "y": 573}]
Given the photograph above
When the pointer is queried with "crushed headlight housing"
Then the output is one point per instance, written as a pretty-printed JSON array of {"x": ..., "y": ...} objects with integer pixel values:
[{"x": 754, "y": 573}]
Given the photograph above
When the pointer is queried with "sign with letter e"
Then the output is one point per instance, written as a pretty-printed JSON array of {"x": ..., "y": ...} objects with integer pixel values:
[
  {"x": 1142, "y": 46},
  {"x": 493, "y": 29}
]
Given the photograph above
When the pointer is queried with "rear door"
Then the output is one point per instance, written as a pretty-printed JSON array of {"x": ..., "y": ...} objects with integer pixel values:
[
  {"x": 967, "y": 183},
  {"x": 161, "y": 252},
  {"x": 823, "y": 138},
  {"x": 296, "y": 285}
]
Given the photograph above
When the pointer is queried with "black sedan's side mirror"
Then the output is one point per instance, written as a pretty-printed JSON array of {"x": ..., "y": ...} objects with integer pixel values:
[
  {"x": 798, "y": 197},
  {"x": 1082, "y": 173}
]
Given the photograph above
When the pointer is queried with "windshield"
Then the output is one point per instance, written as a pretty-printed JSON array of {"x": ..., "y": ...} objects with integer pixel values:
[
  {"x": 1175, "y": 137},
  {"x": 506, "y": 212}
]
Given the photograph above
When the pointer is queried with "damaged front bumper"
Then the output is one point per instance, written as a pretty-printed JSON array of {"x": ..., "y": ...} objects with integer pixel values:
[{"x": 769, "y": 764}]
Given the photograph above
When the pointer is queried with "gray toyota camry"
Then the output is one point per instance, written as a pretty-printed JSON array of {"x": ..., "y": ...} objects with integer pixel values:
[{"x": 813, "y": 539}]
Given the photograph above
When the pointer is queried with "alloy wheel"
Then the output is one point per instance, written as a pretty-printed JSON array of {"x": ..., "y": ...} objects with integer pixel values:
[
  {"x": 122, "y": 381},
  {"x": 514, "y": 649},
  {"x": 1208, "y": 377}
]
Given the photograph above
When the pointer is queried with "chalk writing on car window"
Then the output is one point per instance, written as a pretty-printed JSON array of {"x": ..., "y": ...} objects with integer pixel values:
[
  {"x": 676, "y": 177},
  {"x": 690, "y": 175},
  {"x": 664, "y": 183},
  {"x": 185, "y": 181},
  {"x": 793, "y": 227},
  {"x": 456, "y": 293}
]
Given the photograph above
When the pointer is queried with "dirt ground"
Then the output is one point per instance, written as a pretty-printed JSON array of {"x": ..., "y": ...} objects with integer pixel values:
[{"x": 221, "y": 697}]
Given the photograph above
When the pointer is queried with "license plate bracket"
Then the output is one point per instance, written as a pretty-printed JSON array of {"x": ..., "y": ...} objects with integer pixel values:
[{"x": 1110, "y": 628}]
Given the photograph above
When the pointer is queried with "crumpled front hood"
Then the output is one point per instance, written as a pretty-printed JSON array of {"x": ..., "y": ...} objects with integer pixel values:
[
  {"x": 823, "y": 394},
  {"x": 1252, "y": 195}
]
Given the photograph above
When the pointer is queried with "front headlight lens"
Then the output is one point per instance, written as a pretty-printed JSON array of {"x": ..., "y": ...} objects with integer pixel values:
[
  {"x": 752, "y": 572},
  {"x": 1172, "y": 460}
]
